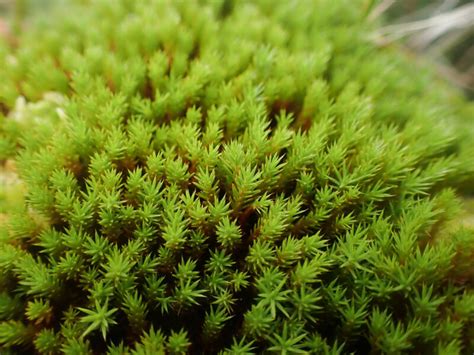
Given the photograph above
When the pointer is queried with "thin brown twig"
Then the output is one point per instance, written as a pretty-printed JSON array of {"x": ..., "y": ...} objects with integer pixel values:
[{"x": 380, "y": 9}]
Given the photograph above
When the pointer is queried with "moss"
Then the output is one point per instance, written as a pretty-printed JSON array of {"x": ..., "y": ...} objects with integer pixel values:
[{"x": 232, "y": 177}]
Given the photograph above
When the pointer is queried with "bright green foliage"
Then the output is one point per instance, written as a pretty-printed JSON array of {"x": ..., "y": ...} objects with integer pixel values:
[
  {"x": 100, "y": 318},
  {"x": 232, "y": 177}
]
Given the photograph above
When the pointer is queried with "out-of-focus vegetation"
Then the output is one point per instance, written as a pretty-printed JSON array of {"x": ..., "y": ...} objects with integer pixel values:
[
  {"x": 443, "y": 30},
  {"x": 440, "y": 30}
]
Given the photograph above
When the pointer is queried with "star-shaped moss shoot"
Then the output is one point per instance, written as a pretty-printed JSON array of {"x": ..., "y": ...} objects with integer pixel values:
[{"x": 99, "y": 318}]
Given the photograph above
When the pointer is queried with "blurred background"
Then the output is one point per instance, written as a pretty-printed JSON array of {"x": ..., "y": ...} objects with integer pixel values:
[{"x": 440, "y": 30}]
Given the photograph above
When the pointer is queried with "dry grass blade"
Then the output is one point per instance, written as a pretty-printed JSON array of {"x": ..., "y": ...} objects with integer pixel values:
[
  {"x": 461, "y": 17},
  {"x": 442, "y": 28}
]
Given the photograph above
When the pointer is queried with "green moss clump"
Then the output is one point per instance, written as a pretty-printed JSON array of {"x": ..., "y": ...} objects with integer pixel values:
[{"x": 232, "y": 177}]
